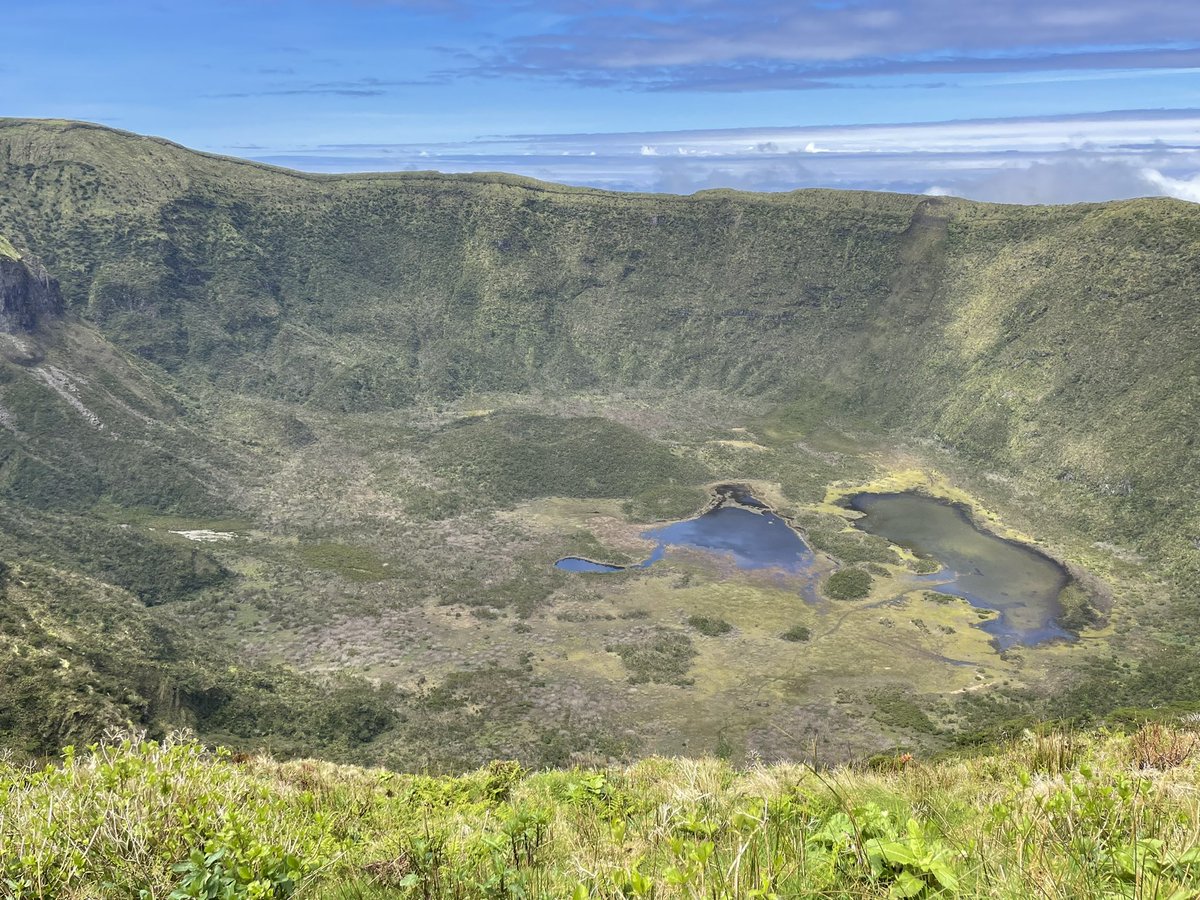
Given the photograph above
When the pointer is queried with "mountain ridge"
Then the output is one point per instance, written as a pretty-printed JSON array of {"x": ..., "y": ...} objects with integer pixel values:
[
  {"x": 473, "y": 276},
  {"x": 64, "y": 126}
]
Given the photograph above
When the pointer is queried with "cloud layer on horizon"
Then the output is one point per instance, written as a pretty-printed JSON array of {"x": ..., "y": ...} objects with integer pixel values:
[
  {"x": 665, "y": 88},
  {"x": 1045, "y": 159}
]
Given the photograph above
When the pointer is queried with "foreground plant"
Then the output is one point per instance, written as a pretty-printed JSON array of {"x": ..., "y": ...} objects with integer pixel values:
[{"x": 135, "y": 818}]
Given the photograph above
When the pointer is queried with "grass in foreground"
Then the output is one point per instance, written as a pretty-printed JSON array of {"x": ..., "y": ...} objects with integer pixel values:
[{"x": 1049, "y": 816}]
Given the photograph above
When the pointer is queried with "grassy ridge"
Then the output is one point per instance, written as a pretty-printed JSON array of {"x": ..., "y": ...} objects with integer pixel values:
[{"x": 1056, "y": 816}]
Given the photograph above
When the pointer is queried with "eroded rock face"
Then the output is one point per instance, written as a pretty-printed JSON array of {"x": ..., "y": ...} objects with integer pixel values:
[{"x": 27, "y": 294}]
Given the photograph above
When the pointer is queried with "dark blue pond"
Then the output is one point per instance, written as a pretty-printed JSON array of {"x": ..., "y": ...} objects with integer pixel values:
[
  {"x": 987, "y": 571},
  {"x": 579, "y": 564},
  {"x": 750, "y": 538},
  {"x": 755, "y": 540}
]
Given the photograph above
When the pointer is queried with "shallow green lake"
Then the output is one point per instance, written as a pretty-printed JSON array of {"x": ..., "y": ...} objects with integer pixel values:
[{"x": 1017, "y": 581}]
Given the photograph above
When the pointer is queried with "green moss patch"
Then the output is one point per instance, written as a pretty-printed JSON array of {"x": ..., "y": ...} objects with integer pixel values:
[
  {"x": 353, "y": 563},
  {"x": 7, "y": 250},
  {"x": 508, "y": 457}
]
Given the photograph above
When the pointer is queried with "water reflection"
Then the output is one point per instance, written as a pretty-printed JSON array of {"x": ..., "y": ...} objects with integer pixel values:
[{"x": 1017, "y": 581}]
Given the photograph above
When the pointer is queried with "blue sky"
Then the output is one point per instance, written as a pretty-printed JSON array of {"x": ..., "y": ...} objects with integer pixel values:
[{"x": 1009, "y": 100}]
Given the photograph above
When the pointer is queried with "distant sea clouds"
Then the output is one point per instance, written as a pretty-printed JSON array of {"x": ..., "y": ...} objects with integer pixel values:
[{"x": 1044, "y": 159}]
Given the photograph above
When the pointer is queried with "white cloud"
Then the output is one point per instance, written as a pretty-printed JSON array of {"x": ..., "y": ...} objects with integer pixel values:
[
  {"x": 1182, "y": 188},
  {"x": 1071, "y": 180},
  {"x": 1076, "y": 179}
]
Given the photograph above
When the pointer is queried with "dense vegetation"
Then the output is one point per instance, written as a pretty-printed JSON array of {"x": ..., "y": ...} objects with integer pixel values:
[
  {"x": 1055, "y": 816},
  {"x": 848, "y": 584},
  {"x": 82, "y": 658},
  {"x": 507, "y": 457}
]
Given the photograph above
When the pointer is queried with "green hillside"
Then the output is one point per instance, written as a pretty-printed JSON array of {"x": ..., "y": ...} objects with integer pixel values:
[
  {"x": 1007, "y": 333},
  {"x": 340, "y": 427}
]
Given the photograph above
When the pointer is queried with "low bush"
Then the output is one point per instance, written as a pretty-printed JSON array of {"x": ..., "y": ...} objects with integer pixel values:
[
  {"x": 710, "y": 627},
  {"x": 848, "y": 584},
  {"x": 1077, "y": 612},
  {"x": 1159, "y": 746},
  {"x": 656, "y": 654}
]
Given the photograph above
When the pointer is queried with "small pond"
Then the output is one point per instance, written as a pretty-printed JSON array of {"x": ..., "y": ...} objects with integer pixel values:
[
  {"x": 755, "y": 540},
  {"x": 1017, "y": 581},
  {"x": 739, "y": 527}
]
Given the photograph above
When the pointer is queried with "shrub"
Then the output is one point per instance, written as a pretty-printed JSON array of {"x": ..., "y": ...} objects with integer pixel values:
[
  {"x": 848, "y": 584},
  {"x": 926, "y": 565},
  {"x": 1158, "y": 746},
  {"x": 797, "y": 634},
  {"x": 664, "y": 502},
  {"x": 898, "y": 710},
  {"x": 352, "y": 563},
  {"x": 852, "y": 546},
  {"x": 709, "y": 626},
  {"x": 235, "y": 866},
  {"x": 656, "y": 654},
  {"x": 1077, "y": 610},
  {"x": 506, "y": 457}
]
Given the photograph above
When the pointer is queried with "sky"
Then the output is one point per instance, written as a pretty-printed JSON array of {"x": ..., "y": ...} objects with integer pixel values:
[{"x": 1018, "y": 101}]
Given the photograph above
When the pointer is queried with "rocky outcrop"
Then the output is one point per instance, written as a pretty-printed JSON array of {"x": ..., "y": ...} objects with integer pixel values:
[{"x": 27, "y": 292}]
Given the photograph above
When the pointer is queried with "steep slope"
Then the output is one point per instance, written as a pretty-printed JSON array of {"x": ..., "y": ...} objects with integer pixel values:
[
  {"x": 82, "y": 658},
  {"x": 1060, "y": 342},
  {"x": 27, "y": 293}
]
